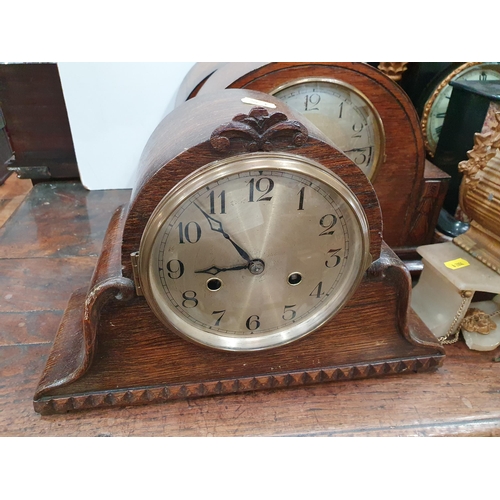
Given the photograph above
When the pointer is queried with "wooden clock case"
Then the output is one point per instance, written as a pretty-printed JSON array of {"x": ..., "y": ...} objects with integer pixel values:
[
  {"x": 111, "y": 350},
  {"x": 410, "y": 189}
]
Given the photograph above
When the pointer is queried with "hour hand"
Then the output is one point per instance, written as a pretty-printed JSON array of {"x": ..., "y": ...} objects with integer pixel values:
[{"x": 216, "y": 270}]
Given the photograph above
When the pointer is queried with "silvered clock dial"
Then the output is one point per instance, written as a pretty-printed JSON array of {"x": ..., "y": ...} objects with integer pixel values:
[
  {"x": 342, "y": 113},
  {"x": 254, "y": 252}
]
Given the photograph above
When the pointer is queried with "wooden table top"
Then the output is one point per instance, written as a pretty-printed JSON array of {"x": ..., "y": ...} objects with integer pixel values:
[{"x": 49, "y": 247}]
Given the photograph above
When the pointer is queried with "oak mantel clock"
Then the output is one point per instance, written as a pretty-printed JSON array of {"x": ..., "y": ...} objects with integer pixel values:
[
  {"x": 249, "y": 257},
  {"x": 371, "y": 119}
]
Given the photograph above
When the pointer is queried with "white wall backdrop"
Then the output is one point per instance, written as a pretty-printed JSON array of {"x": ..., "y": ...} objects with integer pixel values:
[{"x": 113, "y": 108}]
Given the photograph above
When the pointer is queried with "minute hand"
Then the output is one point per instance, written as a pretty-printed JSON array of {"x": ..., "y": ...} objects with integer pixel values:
[{"x": 216, "y": 225}]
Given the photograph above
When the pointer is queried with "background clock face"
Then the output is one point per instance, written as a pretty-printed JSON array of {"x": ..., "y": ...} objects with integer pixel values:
[
  {"x": 254, "y": 253},
  {"x": 343, "y": 114},
  {"x": 437, "y": 105}
]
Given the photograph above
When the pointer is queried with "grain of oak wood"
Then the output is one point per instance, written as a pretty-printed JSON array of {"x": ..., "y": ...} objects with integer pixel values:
[{"x": 460, "y": 398}]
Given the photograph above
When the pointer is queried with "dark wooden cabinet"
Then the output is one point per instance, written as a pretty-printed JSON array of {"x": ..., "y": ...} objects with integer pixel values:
[
  {"x": 36, "y": 122},
  {"x": 5, "y": 150}
]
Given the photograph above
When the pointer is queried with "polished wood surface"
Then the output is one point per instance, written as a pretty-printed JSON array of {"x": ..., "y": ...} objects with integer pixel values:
[
  {"x": 12, "y": 193},
  {"x": 42, "y": 262}
]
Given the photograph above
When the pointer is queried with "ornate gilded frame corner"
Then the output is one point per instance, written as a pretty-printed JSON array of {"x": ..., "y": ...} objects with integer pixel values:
[{"x": 430, "y": 101}]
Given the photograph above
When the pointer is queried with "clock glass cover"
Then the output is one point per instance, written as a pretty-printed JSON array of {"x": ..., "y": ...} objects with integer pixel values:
[
  {"x": 253, "y": 252},
  {"x": 343, "y": 114}
]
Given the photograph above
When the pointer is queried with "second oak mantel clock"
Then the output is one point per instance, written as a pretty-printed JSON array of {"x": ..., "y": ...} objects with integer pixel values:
[
  {"x": 369, "y": 118},
  {"x": 249, "y": 257}
]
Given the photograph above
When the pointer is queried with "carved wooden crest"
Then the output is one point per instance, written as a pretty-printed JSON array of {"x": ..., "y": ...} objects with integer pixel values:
[{"x": 259, "y": 131}]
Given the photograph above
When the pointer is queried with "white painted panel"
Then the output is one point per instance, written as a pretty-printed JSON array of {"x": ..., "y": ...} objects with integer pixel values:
[{"x": 113, "y": 108}]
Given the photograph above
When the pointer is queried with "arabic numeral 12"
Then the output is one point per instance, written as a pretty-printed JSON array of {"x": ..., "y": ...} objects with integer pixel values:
[
  {"x": 311, "y": 102},
  {"x": 263, "y": 185}
]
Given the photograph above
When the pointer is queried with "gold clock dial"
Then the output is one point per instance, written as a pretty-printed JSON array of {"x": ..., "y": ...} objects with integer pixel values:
[
  {"x": 436, "y": 106},
  {"x": 253, "y": 252},
  {"x": 343, "y": 114}
]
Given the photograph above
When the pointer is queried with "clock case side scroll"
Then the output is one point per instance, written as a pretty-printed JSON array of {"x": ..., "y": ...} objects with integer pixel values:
[{"x": 111, "y": 350}]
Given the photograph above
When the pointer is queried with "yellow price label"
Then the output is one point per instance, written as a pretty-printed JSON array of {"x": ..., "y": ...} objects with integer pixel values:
[{"x": 456, "y": 264}]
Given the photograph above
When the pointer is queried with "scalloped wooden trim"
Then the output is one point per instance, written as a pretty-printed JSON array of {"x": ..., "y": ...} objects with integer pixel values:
[{"x": 165, "y": 393}]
